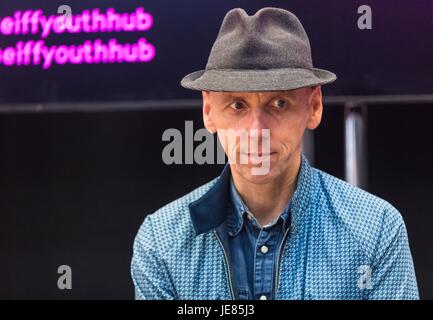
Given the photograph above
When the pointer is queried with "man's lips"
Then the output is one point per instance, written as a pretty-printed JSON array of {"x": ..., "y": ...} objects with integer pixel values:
[{"x": 258, "y": 154}]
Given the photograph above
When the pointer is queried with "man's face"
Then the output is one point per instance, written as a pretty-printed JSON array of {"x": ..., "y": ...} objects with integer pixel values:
[{"x": 285, "y": 113}]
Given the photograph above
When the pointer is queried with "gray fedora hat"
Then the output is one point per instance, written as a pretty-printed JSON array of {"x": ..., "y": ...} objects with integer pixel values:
[{"x": 268, "y": 51}]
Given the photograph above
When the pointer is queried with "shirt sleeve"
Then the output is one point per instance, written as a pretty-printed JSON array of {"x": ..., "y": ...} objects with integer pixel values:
[
  {"x": 148, "y": 271},
  {"x": 393, "y": 274}
]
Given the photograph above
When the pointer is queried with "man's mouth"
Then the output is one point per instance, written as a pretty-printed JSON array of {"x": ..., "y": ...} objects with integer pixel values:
[
  {"x": 259, "y": 154},
  {"x": 256, "y": 158}
]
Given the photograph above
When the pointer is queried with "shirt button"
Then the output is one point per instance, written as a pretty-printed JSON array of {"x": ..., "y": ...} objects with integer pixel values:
[
  {"x": 264, "y": 249},
  {"x": 263, "y": 297}
]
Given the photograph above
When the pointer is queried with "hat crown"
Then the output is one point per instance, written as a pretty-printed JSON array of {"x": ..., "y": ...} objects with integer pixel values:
[{"x": 271, "y": 38}]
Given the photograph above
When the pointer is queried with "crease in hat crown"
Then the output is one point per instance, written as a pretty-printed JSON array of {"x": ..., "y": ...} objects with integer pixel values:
[
  {"x": 267, "y": 51},
  {"x": 279, "y": 29}
]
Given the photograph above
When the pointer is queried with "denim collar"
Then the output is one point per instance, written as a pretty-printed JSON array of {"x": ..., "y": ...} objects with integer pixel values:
[
  {"x": 210, "y": 210},
  {"x": 239, "y": 210}
]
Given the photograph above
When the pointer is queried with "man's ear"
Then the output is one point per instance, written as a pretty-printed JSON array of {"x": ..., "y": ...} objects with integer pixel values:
[
  {"x": 315, "y": 106},
  {"x": 207, "y": 113}
]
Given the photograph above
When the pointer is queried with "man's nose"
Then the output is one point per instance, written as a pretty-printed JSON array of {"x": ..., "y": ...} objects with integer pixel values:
[
  {"x": 257, "y": 122},
  {"x": 258, "y": 129}
]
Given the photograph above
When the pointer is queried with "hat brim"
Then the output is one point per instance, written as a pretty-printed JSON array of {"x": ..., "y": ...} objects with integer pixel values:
[{"x": 256, "y": 80}]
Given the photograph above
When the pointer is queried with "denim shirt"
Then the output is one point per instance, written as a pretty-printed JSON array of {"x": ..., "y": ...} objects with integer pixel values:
[{"x": 253, "y": 249}]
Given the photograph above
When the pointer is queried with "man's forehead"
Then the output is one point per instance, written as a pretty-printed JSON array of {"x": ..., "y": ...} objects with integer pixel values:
[{"x": 251, "y": 94}]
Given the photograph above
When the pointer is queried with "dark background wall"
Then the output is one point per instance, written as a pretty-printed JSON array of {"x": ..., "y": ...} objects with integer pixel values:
[{"x": 75, "y": 187}]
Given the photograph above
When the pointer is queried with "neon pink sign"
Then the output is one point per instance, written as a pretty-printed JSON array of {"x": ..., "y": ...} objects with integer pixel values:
[{"x": 37, "y": 52}]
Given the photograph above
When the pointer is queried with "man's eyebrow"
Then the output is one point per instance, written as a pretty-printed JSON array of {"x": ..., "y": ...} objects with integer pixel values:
[
  {"x": 229, "y": 97},
  {"x": 271, "y": 95},
  {"x": 232, "y": 95}
]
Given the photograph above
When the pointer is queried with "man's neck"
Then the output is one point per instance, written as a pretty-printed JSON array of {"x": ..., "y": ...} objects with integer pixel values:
[{"x": 267, "y": 201}]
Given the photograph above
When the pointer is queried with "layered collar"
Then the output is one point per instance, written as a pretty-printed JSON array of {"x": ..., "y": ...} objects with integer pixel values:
[{"x": 210, "y": 211}]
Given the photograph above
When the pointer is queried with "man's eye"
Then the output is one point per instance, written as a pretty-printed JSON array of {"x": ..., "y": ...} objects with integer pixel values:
[
  {"x": 280, "y": 103},
  {"x": 237, "y": 105}
]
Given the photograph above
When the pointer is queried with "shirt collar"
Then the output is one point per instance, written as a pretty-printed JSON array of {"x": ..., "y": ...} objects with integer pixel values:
[
  {"x": 235, "y": 217},
  {"x": 210, "y": 210}
]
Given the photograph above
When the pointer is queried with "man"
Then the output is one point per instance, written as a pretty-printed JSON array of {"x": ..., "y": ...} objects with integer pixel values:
[{"x": 290, "y": 232}]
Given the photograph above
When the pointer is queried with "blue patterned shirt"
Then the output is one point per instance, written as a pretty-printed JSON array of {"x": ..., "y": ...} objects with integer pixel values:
[{"x": 343, "y": 243}]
